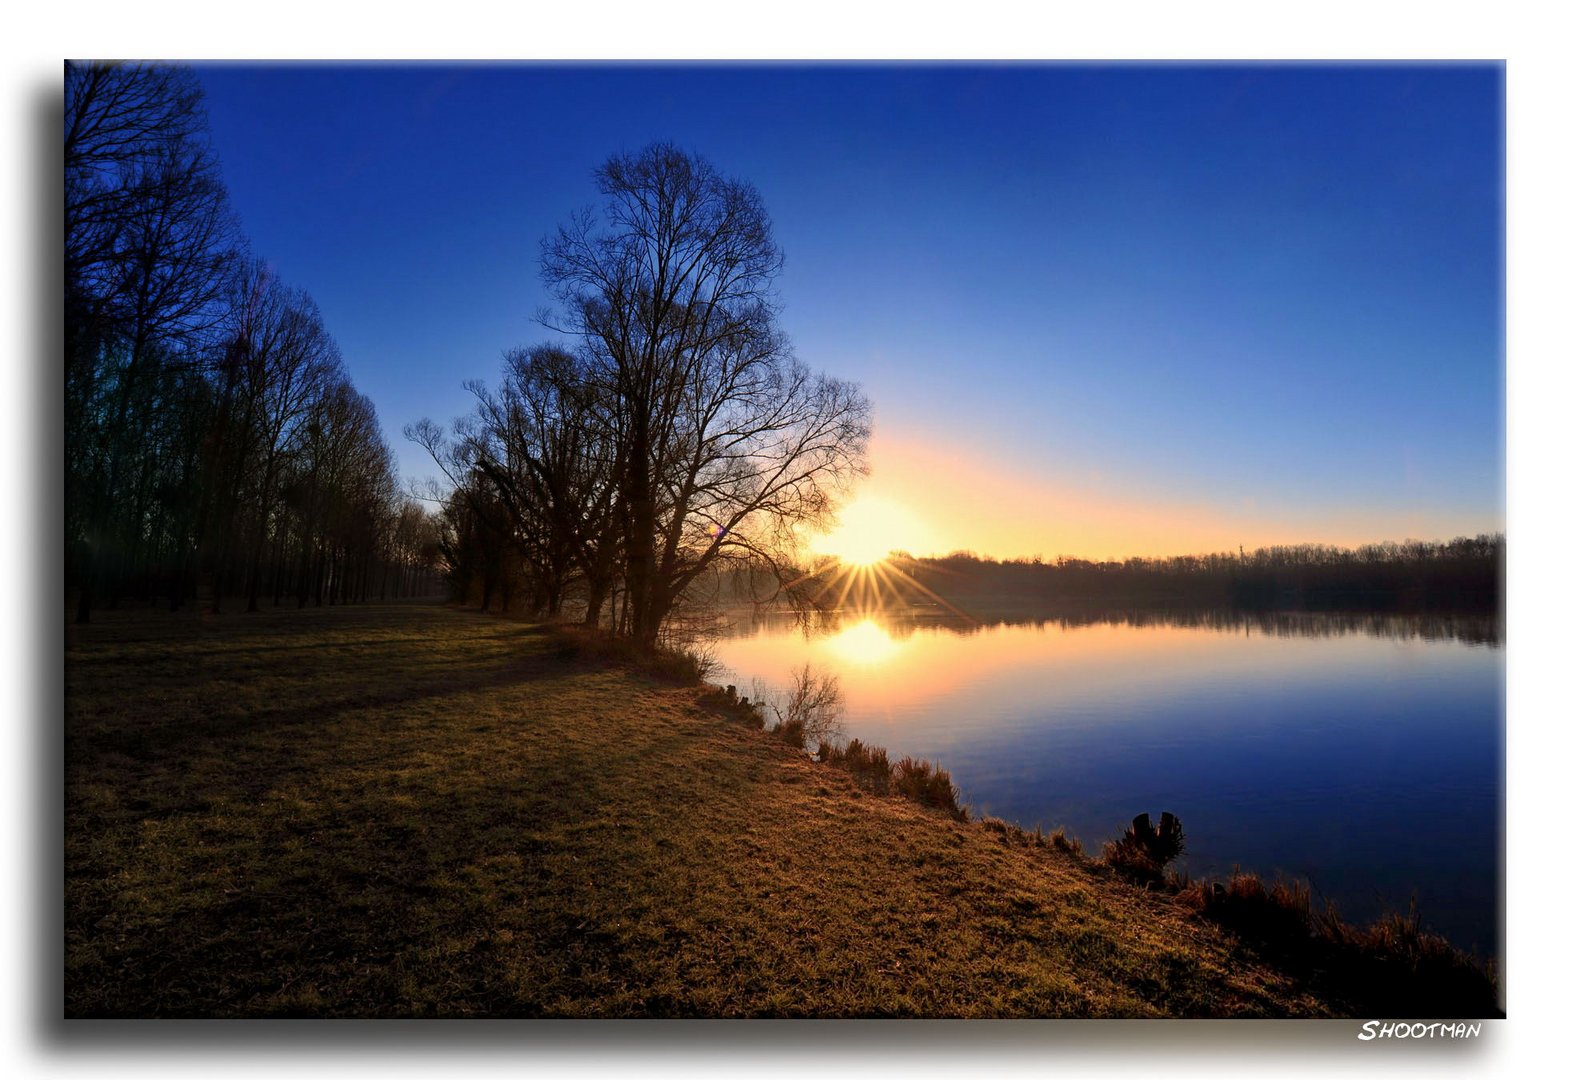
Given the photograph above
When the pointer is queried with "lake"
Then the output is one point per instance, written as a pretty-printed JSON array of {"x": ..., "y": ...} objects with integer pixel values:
[{"x": 1362, "y": 754}]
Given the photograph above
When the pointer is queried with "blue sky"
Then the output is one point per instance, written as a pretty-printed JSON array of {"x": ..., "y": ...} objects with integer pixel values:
[{"x": 1099, "y": 309}]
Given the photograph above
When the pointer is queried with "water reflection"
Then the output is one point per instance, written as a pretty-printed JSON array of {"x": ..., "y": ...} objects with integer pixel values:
[
  {"x": 897, "y": 625},
  {"x": 863, "y": 642}
]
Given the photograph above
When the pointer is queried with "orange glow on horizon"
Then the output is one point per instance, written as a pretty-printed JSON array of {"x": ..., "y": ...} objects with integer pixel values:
[{"x": 967, "y": 502}]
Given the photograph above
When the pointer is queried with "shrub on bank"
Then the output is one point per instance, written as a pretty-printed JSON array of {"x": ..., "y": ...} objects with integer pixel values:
[
  {"x": 792, "y": 733},
  {"x": 1392, "y": 965},
  {"x": 1143, "y": 853}
]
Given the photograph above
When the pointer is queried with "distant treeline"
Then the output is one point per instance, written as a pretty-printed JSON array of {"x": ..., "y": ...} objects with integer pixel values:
[
  {"x": 214, "y": 443},
  {"x": 1463, "y": 574}
]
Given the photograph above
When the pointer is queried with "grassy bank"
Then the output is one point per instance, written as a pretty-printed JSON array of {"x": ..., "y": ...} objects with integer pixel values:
[{"x": 406, "y": 810}]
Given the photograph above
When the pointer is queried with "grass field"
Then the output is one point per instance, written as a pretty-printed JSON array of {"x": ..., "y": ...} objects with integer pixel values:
[{"x": 409, "y": 810}]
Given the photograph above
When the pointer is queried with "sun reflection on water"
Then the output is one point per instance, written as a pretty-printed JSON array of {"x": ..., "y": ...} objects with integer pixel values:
[{"x": 865, "y": 643}]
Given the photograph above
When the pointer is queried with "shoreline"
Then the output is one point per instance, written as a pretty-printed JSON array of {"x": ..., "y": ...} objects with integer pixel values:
[
  {"x": 494, "y": 828},
  {"x": 1292, "y": 758},
  {"x": 1279, "y": 917}
]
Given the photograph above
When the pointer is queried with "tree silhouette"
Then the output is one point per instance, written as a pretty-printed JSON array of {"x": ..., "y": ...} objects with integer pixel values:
[
  {"x": 723, "y": 440},
  {"x": 211, "y": 435},
  {"x": 677, "y": 435}
]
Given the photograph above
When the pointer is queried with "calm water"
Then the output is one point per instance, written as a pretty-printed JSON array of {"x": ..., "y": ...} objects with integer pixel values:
[{"x": 1362, "y": 754}]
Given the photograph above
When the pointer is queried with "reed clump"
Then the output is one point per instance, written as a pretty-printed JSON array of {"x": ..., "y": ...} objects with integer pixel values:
[
  {"x": 1392, "y": 964},
  {"x": 1013, "y": 835},
  {"x": 1059, "y": 840},
  {"x": 926, "y": 783},
  {"x": 810, "y": 713},
  {"x": 868, "y": 765},
  {"x": 726, "y": 699}
]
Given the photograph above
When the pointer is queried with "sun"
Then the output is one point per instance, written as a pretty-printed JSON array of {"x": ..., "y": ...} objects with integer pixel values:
[{"x": 869, "y": 529}]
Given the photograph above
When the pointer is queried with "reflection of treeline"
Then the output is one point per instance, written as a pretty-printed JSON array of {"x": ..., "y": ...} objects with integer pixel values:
[
  {"x": 1469, "y": 628},
  {"x": 1463, "y": 574},
  {"x": 212, "y": 438}
]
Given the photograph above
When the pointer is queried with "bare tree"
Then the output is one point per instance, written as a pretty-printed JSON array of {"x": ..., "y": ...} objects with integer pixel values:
[
  {"x": 149, "y": 234},
  {"x": 288, "y": 362},
  {"x": 812, "y": 708},
  {"x": 485, "y": 527},
  {"x": 724, "y": 441},
  {"x": 210, "y": 432},
  {"x": 122, "y": 121},
  {"x": 542, "y": 441},
  {"x": 149, "y": 240}
]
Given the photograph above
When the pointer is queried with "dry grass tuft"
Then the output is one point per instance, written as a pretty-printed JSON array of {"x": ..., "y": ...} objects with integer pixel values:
[
  {"x": 927, "y": 784},
  {"x": 1060, "y": 841},
  {"x": 868, "y": 765}
]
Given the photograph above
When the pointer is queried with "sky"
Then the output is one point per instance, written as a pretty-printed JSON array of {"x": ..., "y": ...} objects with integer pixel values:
[{"x": 1099, "y": 310}]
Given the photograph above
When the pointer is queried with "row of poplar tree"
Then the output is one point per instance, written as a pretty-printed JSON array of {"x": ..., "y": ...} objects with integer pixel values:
[{"x": 216, "y": 450}]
